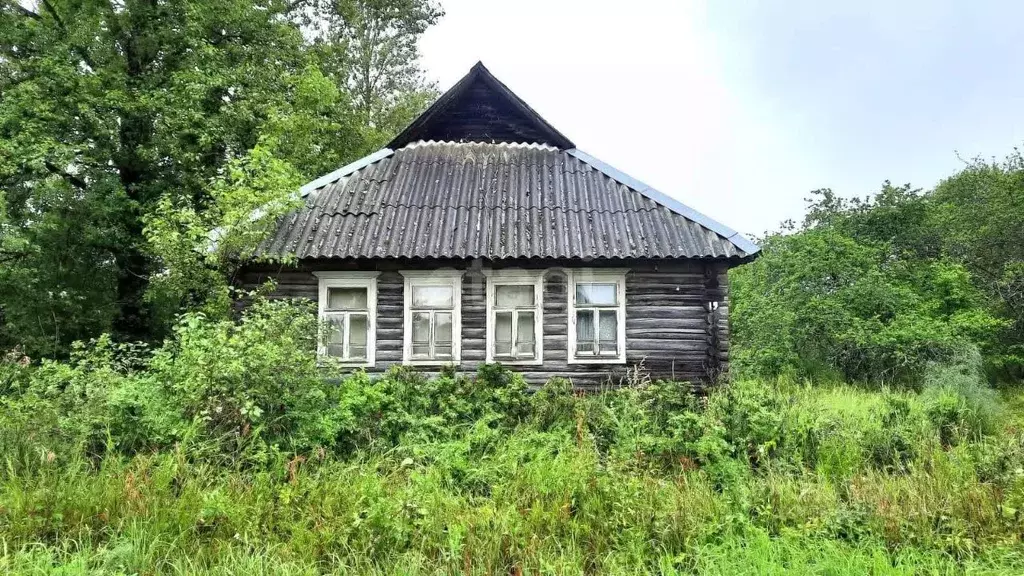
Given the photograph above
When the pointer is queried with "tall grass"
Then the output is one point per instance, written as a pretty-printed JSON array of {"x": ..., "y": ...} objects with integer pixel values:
[
  {"x": 196, "y": 460},
  {"x": 538, "y": 499}
]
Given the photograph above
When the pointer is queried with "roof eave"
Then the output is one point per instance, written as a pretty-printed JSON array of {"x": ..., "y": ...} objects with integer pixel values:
[{"x": 346, "y": 170}]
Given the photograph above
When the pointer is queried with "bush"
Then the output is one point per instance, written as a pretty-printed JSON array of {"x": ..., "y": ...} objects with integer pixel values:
[
  {"x": 553, "y": 403},
  {"x": 255, "y": 383},
  {"x": 845, "y": 293},
  {"x": 891, "y": 445},
  {"x": 404, "y": 405},
  {"x": 101, "y": 398},
  {"x": 245, "y": 386},
  {"x": 401, "y": 472},
  {"x": 958, "y": 402}
]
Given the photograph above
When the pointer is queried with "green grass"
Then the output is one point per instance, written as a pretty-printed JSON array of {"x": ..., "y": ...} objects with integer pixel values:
[{"x": 801, "y": 487}]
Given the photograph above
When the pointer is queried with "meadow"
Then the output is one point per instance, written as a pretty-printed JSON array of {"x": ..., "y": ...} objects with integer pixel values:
[{"x": 191, "y": 459}]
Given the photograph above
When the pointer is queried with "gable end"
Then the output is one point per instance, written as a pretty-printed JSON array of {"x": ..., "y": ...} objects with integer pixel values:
[{"x": 479, "y": 108}]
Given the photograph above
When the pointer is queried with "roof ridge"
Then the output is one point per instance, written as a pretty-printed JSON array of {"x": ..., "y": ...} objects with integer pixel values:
[{"x": 526, "y": 145}]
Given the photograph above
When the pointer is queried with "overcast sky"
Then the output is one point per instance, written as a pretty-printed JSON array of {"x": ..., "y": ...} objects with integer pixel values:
[{"x": 740, "y": 108}]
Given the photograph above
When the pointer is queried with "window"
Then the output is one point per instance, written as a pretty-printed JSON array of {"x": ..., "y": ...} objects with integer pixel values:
[
  {"x": 433, "y": 324},
  {"x": 348, "y": 312},
  {"x": 597, "y": 316},
  {"x": 515, "y": 317}
]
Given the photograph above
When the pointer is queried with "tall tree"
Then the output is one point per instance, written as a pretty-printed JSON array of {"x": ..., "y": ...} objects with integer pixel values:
[
  {"x": 374, "y": 46},
  {"x": 980, "y": 212},
  {"x": 109, "y": 108}
]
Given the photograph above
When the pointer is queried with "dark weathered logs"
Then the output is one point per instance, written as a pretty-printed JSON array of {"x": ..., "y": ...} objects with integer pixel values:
[{"x": 676, "y": 316}]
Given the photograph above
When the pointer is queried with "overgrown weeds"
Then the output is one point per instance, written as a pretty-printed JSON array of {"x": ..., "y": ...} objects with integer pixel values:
[{"x": 196, "y": 458}]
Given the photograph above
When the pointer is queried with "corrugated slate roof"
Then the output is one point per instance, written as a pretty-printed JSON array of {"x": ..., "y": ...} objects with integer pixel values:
[{"x": 494, "y": 201}]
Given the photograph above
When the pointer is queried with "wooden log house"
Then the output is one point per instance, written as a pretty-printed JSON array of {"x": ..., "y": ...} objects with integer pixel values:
[{"x": 482, "y": 234}]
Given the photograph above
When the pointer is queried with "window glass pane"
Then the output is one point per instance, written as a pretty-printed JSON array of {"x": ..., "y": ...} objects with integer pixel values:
[
  {"x": 442, "y": 328},
  {"x": 346, "y": 298},
  {"x": 420, "y": 349},
  {"x": 511, "y": 296},
  {"x": 503, "y": 333},
  {"x": 608, "y": 334},
  {"x": 357, "y": 330},
  {"x": 524, "y": 350},
  {"x": 335, "y": 327},
  {"x": 597, "y": 294},
  {"x": 443, "y": 351},
  {"x": 524, "y": 329},
  {"x": 432, "y": 296},
  {"x": 334, "y": 335},
  {"x": 421, "y": 327},
  {"x": 585, "y": 331}
]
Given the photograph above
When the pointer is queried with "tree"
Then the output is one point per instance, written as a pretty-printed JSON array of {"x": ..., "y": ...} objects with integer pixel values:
[
  {"x": 111, "y": 109},
  {"x": 198, "y": 251},
  {"x": 980, "y": 212},
  {"x": 375, "y": 44},
  {"x": 860, "y": 289}
]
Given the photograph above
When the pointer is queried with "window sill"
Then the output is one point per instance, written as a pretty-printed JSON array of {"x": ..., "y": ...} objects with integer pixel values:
[
  {"x": 609, "y": 360},
  {"x": 430, "y": 363},
  {"x": 538, "y": 362},
  {"x": 328, "y": 361}
]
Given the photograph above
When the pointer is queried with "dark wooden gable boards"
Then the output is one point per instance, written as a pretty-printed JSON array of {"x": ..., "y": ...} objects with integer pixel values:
[{"x": 479, "y": 108}]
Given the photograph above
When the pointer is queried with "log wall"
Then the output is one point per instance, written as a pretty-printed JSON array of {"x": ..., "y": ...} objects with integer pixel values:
[{"x": 676, "y": 315}]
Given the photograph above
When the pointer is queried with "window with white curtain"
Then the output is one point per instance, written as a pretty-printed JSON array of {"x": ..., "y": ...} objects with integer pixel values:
[
  {"x": 348, "y": 310},
  {"x": 515, "y": 311},
  {"x": 597, "y": 316},
  {"x": 433, "y": 326}
]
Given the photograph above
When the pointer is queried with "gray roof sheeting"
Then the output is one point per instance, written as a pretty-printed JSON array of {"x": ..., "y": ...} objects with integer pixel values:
[{"x": 494, "y": 201}]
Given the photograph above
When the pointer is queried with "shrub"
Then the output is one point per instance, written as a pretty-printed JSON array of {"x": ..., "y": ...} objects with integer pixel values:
[
  {"x": 254, "y": 383},
  {"x": 752, "y": 415},
  {"x": 834, "y": 296},
  {"x": 958, "y": 401},
  {"x": 891, "y": 444},
  {"x": 553, "y": 403},
  {"x": 101, "y": 398},
  {"x": 405, "y": 405},
  {"x": 244, "y": 386}
]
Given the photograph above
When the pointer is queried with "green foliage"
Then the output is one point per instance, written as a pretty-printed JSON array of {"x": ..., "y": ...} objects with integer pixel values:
[
  {"x": 406, "y": 406},
  {"x": 878, "y": 288},
  {"x": 115, "y": 118},
  {"x": 980, "y": 213},
  {"x": 958, "y": 403},
  {"x": 251, "y": 384},
  {"x": 852, "y": 292},
  {"x": 455, "y": 474},
  {"x": 230, "y": 449},
  {"x": 199, "y": 251}
]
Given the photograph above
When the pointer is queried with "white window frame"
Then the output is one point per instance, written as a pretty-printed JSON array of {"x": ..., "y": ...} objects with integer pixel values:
[
  {"x": 615, "y": 276},
  {"x": 339, "y": 279},
  {"x": 533, "y": 278},
  {"x": 451, "y": 278}
]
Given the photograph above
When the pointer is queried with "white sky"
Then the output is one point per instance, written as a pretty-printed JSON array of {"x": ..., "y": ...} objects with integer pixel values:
[{"x": 740, "y": 108}]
